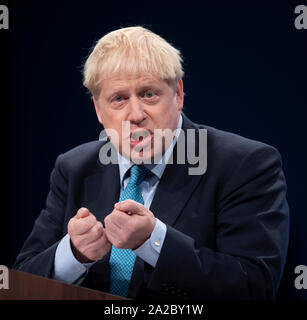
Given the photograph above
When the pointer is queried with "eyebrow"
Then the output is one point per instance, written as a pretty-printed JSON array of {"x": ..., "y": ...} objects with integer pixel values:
[{"x": 120, "y": 89}]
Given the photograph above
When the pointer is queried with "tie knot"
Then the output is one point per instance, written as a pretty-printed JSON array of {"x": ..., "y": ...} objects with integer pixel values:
[{"x": 138, "y": 174}]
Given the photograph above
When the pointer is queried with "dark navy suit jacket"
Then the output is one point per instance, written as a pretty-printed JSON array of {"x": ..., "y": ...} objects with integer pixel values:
[{"x": 227, "y": 230}]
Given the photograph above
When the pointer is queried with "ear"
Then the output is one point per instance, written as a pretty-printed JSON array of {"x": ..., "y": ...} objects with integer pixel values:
[
  {"x": 97, "y": 108},
  {"x": 179, "y": 94}
]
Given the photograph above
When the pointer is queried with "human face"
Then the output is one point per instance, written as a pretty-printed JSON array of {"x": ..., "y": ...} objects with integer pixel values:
[{"x": 146, "y": 103}]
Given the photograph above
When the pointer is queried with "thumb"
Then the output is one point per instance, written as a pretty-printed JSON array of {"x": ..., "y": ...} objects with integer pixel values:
[
  {"x": 131, "y": 207},
  {"x": 82, "y": 213}
]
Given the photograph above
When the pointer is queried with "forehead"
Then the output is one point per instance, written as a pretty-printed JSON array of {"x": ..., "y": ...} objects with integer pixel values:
[{"x": 126, "y": 80}]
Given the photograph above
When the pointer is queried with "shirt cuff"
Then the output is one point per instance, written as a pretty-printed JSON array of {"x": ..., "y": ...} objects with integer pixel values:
[
  {"x": 150, "y": 250},
  {"x": 66, "y": 267}
]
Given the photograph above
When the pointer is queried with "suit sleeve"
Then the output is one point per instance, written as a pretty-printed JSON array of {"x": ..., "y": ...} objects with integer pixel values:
[
  {"x": 37, "y": 254},
  {"x": 252, "y": 227}
]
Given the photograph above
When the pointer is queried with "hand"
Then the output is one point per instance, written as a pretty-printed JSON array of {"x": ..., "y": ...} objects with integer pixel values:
[
  {"x": 129, "y": 225},
  {"x": 88, "y": 237}
]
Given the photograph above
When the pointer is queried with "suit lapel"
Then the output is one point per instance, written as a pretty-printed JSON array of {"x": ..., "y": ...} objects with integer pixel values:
[
  {"x": 176, "y": 185},
  {"x": 102, "y": 189},
  {"x": 173, "y": 191}
]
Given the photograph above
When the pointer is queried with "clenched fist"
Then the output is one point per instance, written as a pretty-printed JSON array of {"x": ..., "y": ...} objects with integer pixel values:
[
  {"x": 88, "y": 237},
  {"x": 129, "y": 225}
]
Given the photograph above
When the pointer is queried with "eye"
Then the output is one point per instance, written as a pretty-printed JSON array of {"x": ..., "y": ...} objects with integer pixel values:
[
  {"x": 118, "y": 99},
  {"x": 149, "y": 94}
]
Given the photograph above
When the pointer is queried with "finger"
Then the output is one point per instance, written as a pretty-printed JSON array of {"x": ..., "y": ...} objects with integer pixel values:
[
  {"x": 117, "y": 218},
  {"x": 111, "y": 231},
  {"x": 104, "y": 237},
  {"x": 95, "y": 233},
  {"x": 82, "y": 213},
  {"x": 101, "y": 242},
  {"x": 131, "y": 207},
  {"x": 84, "y": 225},
  {"x": 98, "y": 249},
  {"x": 112, "y": 237}
]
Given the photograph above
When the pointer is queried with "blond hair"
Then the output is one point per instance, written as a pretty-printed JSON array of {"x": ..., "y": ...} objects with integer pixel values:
[{"x": 133, "y": 50}]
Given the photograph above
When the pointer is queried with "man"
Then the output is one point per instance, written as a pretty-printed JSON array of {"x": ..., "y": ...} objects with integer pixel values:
[{"x": 150, "y": 229}]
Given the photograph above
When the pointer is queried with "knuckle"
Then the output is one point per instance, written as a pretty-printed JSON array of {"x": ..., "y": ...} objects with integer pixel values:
[
  {"x": 72, "y": 226},
  {"x": 97, "y": 230},
  {"x": 107, "y": 232},
  {"x": 95, "y": 252},
  {"x": 92, "y": 220},
  {"x": 131, "y": 227},
  {"x": 76, "y": 242},
  {"x": 106, "y": 219},
  {"x": 79, "y": 226}
]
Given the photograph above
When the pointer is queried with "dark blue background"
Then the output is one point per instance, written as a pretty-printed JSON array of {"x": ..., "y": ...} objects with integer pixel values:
[{"x": 245, "y": 71}]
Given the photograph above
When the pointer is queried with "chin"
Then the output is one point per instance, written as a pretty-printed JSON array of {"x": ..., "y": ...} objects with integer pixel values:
[{"x": 141, "y": 157}]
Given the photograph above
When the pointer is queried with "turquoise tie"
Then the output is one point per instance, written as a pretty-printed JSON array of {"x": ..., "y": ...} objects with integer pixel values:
[{"x": 122, "y": 260}]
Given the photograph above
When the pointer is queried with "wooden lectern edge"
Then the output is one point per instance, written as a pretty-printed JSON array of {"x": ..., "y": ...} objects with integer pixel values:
[{"x": 27, "y": 286}]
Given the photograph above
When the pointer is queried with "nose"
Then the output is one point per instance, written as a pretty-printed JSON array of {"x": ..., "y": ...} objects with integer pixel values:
[{"x": 136, "y": 111}]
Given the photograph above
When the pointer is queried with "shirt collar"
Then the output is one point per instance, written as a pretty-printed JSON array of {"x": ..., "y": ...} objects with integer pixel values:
[{"x": 156, "y": 169}]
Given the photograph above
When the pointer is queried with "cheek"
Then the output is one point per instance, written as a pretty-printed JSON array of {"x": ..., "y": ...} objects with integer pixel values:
[
  {"x": 169, "y": 114},
  {"x": 111, "y": 118},
  {"x": 118, "y": 131}
]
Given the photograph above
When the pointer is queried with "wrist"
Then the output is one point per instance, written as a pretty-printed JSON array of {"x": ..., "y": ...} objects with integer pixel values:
[{"x": 78, "y": 255}]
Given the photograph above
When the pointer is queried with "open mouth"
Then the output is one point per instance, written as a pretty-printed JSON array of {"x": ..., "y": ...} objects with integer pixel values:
[{"x": 140, "y": 137}]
